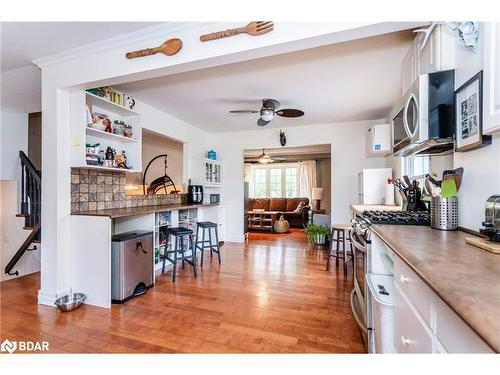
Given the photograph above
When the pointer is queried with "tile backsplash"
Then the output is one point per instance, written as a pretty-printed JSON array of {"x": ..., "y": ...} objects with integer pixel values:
[{"x": 99, "y": 190}]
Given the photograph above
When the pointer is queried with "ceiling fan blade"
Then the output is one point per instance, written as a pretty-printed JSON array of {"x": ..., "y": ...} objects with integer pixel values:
[
  {"x": 261, "y": 122},
  {"x": 270, "y": 103},
  {"x": 243, "y": 111},
  {"x": 290, "y": 112}
]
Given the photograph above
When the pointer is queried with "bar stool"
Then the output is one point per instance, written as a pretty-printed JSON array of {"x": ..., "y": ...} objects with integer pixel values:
[
  {"x": 335, "y": 251},
  {"x": 207, "y": 244},
  {"x": 179, "y": 250}
]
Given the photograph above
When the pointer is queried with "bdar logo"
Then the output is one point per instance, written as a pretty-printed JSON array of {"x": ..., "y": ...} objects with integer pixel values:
[{"x": 8, "y": 346}]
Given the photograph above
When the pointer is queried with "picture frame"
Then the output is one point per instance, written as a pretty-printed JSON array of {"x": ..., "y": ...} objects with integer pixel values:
[{"x": 469, "y": 115}]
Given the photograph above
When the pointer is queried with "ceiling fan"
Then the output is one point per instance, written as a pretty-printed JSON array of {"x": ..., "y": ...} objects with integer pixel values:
[
  {"x": 269, "y": 109},
  {"x": 262, "y": 158}
]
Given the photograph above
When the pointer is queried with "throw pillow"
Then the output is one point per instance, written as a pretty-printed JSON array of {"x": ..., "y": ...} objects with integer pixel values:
[{"x": 299, "y": 207}]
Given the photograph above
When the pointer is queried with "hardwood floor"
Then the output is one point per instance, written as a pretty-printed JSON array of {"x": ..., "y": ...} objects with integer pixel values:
[{"x": 271, "y": 295}]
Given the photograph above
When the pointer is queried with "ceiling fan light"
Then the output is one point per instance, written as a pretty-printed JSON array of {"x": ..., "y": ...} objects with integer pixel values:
[{"x": 267, "y": 114}]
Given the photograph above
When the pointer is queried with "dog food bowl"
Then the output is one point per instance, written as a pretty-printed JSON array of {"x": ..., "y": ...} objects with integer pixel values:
[{"x": 70, "y": 302}]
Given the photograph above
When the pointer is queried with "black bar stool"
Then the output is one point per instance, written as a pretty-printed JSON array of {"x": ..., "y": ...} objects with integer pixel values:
[
  {"x": 179, "y": 250},
  {"x": 336, "y": 252},
  {"x": 207, "y": 244}
]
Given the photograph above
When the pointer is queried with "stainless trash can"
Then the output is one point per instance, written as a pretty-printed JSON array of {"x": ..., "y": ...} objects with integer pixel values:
[{"x": 131, "y": 264}]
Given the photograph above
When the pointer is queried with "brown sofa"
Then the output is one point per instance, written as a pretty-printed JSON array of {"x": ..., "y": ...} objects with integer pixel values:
[{"x": 286, "y": 206}]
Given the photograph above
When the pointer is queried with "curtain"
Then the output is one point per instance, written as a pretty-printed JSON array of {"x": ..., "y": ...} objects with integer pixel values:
[{"x": 307, "y": 178}]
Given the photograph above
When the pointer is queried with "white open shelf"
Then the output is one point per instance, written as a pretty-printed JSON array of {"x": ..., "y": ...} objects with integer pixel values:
[
  {"x": 106, "y": 135},
  {"x": 82, "y": 134},
  {"x": 109, "y": 106}
]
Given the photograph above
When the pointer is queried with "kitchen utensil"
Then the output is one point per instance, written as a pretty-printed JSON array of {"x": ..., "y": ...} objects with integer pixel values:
[
  {"x": 484, "y": 243},
  {"x": 254, "y": 28},
  {"x": 169, "y": 47},
  {"x": 70, "y": 302},
  {"x": 444, "y": 213},
  {"x": 449, "y": 187},
  {"x": 407, "y": 181},
  {"x": 433, "y": 180}
]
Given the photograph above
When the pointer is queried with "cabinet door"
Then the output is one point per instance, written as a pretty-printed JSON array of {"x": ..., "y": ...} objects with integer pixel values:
[
  {"x": 410, "y": 69},
  {"x": 410, "y": 335},
  {"x": 491, "y": 81}
]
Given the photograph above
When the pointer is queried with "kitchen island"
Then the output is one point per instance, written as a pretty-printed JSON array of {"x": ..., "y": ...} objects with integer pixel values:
[
  {"x": 91, "y": 232},
  {"x": 465, "y": 277}
]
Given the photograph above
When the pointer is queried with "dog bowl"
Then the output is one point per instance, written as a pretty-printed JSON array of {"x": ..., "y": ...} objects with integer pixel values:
[{"x": 70, "y": 302}]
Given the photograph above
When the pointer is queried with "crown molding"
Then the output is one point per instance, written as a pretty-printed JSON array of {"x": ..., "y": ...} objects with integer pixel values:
[{"x": 118, "y": 41}]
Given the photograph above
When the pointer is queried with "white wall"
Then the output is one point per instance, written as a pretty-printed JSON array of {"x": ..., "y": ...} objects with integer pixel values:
[
  {"x": 13, "y": 138},
  {"x": 348, "y": 159},
  {"x": 482, "y": 166}
]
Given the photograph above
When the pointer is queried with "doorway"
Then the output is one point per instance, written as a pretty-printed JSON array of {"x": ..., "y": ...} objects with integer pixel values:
[{"x": 285, "y": 188}]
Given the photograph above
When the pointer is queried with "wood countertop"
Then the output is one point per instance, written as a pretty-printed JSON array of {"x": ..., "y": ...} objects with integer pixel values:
[
  {"x": 465, "y": 277},
  {"x": 115, "y": 213}
]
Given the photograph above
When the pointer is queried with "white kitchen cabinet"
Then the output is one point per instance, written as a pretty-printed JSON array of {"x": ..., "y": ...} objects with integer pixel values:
[
  {"x": 411, "y": 335},
  {"x": 423, "y": 322},
  {"x": 491, "y": 79},
  {"x": 212, "y": 172},
  {"x": 439, "y": 52},
  {"x": 378, "y": 140},
  {"x": 411, "y": 69},
  {"x": 454, "y": 334}
]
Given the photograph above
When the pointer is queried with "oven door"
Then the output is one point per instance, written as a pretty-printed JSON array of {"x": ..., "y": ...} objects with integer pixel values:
[{"x": 359, "y": 300}]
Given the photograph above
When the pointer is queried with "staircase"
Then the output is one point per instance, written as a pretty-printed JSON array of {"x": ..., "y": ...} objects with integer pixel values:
[{"x": 31, "y": 196}]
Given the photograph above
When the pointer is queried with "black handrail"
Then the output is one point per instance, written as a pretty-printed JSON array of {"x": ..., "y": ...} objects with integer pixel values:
[
  {"x": 31, "y": 191},
  {"x": 24, "y": 247},
  {"x": 31, "y": 198}
]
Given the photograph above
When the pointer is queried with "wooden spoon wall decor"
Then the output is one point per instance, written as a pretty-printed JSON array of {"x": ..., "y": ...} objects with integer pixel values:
[
  {"x": 169, "y": 47},
  {"x": 254, "y": 28}
]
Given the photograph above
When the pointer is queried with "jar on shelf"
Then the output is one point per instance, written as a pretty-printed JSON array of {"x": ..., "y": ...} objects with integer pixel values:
[
  {"x": 127, "y": 131},
  {"x": 119, "y": 127}
]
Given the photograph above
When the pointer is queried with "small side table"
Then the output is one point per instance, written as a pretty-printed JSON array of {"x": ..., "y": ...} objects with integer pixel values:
[{"x": 321, "y": 211}]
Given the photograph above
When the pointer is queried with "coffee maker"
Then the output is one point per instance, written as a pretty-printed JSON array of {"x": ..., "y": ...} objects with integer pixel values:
[{"x": 195, "y": 194}]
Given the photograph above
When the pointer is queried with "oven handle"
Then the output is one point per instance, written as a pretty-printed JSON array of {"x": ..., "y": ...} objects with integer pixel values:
[
  {"x": 356, "y": 317},
  {"x": 357, "y": 244}
]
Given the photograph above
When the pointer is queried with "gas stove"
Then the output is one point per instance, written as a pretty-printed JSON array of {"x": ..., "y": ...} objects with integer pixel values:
[{"x": 398, "y": 217}]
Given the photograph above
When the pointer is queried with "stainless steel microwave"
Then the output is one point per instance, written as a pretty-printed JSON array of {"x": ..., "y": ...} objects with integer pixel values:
[{"x": 423, "y": 123}]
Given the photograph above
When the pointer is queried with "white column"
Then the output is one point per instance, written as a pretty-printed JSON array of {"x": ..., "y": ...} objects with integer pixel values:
[{"x": 56, "y": 195}]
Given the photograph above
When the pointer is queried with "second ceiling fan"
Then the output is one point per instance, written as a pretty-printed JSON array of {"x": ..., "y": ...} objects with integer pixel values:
[{"x": 270, "y": 107}]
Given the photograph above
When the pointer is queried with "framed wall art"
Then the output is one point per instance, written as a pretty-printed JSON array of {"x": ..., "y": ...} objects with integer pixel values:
[{"x": 469, "y": 115}]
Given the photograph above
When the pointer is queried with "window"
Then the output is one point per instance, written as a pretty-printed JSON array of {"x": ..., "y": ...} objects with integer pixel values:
[
  {"x": 273, "y": 181},
  {"x": 416, "y": 166},
  {"x": 291, "y": 182},
  {"x": 260, "y": 183}
]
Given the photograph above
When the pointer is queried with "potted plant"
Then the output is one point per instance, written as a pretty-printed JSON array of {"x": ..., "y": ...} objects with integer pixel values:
[{"x": 317, "y": 233}]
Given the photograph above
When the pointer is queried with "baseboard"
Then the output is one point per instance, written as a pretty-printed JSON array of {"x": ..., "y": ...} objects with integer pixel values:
[
  {"x": 48, "y": 299},
  {"x": 236, "y": 238}
]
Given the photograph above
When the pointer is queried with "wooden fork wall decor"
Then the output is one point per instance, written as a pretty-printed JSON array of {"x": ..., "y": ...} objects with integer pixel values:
[{"x": 254, "y": 28}]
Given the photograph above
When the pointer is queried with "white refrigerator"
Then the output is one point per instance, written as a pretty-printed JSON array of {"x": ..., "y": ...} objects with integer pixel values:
[{"x": 371, "y": 185}]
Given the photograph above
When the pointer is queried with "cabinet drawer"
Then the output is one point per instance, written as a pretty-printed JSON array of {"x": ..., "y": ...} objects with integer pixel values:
[
  {"x": 410, "y": 336},
  {"x": 454, "y": 334},
  {"x": 417, "y": 292}
]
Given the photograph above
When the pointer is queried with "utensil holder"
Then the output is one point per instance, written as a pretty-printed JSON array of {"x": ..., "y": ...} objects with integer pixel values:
[{"x": 444, "y": 213}]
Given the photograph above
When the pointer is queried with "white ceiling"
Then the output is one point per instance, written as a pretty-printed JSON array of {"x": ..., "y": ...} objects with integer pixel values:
[
  {"x": 286, "y": 151},
  {"x": 23, "y": 42},
  {"x": 351, "y": 81}
]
